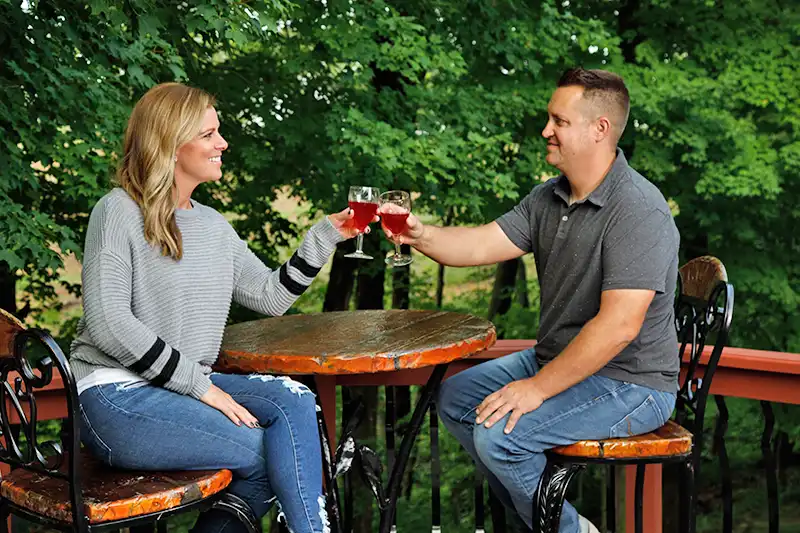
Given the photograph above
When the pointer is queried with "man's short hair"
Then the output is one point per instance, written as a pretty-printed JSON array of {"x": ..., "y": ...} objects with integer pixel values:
[{"x": 604, "y": 92}]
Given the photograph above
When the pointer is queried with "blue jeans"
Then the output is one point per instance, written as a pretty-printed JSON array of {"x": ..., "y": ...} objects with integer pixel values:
[
  {"x": 596, "y": 408},
  {"x": 152, "y": 428}
]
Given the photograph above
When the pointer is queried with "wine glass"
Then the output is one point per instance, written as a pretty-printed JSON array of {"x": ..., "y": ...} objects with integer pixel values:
[
  {"x": 394, "y": 214},
  {"x": 364, "y": 202}
]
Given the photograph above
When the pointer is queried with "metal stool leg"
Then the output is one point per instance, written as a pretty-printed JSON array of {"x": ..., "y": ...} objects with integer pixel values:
[
  {"x": 687, "y": 503},
  {"x": 5, "y": 516},
  {"x": 498, "y": 512},
  {"x": 611, "y": 500},
  {"x": 232, "y": 504},
  {"x": 549, "y": 498}
]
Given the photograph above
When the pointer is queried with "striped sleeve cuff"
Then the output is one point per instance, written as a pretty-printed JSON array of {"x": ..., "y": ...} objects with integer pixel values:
[
  {"x": 320, "y": 243},
  {"x": 200, "y": 385},
  {"x": 176, "y": 374},
  {"x": 297, "y": 274}
]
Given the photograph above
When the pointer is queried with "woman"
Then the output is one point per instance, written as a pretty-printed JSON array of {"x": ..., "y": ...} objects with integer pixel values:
[{"x": 159, "y": 273}]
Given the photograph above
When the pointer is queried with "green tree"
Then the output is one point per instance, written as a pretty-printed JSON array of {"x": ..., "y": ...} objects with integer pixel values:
[
  {"x": 443, "y": 98},
  {"x": 716, "y": 125},
  {"x": 69, "y": 74}
]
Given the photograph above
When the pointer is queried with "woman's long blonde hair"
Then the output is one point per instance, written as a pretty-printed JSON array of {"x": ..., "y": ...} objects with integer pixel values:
[{"x": 166, "y": 117}]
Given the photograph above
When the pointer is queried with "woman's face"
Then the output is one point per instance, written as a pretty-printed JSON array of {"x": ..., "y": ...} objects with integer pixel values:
[{"x": 200, "y": 159}]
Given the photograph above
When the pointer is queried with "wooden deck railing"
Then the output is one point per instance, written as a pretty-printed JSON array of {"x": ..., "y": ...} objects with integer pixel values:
[{"x": 743, "y": 373}]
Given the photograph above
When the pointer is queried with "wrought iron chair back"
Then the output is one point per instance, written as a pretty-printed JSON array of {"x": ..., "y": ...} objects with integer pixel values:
[
  {"x": 23, "y": 374},
  {"x": 703, "y": 315},
  {"x": 18, "y": 409}
]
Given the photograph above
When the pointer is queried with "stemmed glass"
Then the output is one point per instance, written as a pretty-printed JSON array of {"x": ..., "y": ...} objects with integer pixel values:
[
  {"x": 364, "y": 202},
  {"x": 395, "y": 208}
]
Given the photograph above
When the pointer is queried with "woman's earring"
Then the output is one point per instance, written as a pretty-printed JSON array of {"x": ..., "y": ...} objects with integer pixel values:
[{"x": 175, "y": 158}]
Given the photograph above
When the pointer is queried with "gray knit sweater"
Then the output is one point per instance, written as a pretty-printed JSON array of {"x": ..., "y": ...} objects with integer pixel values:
[{"x": 163, "y": 319}]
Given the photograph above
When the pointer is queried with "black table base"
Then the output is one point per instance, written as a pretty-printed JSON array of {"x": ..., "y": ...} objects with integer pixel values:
[{"x": 371, "y": 469}]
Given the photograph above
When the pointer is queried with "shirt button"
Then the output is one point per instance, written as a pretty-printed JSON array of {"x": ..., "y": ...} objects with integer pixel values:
[{"x": 565, "y": 218}]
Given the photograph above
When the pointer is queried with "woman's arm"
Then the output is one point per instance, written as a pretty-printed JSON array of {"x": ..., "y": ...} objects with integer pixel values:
[{"x": 272, "y": 292}]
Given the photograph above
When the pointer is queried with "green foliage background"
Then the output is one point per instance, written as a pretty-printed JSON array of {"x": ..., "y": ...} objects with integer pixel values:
[{"x": 440, "y": 97}]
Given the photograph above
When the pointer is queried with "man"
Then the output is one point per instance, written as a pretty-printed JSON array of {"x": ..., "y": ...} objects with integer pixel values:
[{"x": 606, "y": 252}]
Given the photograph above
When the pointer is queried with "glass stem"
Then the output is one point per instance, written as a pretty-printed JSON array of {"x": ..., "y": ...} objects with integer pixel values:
[
  {"x": 360, "y": 242},
  {"x": 397, "y": 250}
]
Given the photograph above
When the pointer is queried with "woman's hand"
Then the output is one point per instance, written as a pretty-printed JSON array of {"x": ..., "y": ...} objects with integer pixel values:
[
  {"x": 222, "y": 401},
  {"x": 343, "y": 222}
]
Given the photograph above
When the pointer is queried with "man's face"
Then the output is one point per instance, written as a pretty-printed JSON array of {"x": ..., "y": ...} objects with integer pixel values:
[{"x": 568, "y": 130}]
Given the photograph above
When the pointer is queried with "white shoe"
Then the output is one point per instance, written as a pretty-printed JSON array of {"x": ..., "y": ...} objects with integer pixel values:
[{"x": 586, "y": 526}]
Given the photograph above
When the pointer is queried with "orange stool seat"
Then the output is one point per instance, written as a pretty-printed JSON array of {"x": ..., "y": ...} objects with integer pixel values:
[
  {"x": 669, "y": 440},
  {"x": 111, "y": 494}
]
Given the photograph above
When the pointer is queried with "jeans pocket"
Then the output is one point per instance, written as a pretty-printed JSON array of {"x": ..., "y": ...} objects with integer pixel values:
[
  {"x": 92, "y": 440},
  {"x": 646, "y": 417}
]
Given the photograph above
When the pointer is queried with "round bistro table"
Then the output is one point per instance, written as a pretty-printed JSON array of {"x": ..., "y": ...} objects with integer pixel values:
[{"x": 358, "y": 342}]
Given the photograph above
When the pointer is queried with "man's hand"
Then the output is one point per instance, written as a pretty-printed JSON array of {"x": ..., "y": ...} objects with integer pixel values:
[
  {"x": 518, "y": 397},
  {"x": 412, "y": 233}
]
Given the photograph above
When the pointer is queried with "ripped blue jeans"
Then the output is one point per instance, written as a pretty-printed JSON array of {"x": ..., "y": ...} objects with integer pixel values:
[{"x": 152, "y": 428}]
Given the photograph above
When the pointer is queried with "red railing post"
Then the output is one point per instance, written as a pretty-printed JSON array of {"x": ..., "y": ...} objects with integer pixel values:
[{"x": 652, "y": 515}]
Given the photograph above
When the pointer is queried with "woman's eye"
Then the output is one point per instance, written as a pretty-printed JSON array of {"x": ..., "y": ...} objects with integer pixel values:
[{"x": 208, "y": 135}]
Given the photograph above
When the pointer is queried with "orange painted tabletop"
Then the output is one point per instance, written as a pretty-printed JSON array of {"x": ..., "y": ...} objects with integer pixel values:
[{"x": 352, "y": 342}]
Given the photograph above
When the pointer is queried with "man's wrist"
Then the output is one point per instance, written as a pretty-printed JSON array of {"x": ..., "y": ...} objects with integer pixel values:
[
  {"x": 424, "y": 238},
  {"x": 537, "y": 387}
]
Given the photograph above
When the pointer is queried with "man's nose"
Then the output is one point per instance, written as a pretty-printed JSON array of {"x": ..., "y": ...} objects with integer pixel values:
[{"x": 547, "y": 132}]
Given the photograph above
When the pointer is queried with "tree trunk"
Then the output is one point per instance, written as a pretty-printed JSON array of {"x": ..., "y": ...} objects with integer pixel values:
[
  {"x": 440, "y": 274},
  {"x": 342, "y": 278},
  {"x": 505, "y": 282},
  {"x": 695, "y": 245},
  {"x": 371, "y": 274},
  {"x": 8, "y": 289},
  {"x": 626, "y": 25},
  {"x": 440, "y": 287},
  {"x": 522, "y": 285},
  {"x": 401, "y": 283}
]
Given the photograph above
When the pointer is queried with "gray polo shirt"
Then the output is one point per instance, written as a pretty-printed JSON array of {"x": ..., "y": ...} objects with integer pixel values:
[{"x": 622, "y": 236}]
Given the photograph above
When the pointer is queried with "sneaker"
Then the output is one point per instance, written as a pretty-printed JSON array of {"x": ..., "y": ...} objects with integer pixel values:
[{"x": 586, "y": 526}]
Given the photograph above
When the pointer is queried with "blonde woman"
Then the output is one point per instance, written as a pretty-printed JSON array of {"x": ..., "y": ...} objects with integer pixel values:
[{"x": 159, "y": 273}]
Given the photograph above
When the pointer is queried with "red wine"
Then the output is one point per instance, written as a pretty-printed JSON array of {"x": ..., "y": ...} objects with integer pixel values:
[
  {"x": 396, "y": 222},
  {"x": 365, "y": 212}
]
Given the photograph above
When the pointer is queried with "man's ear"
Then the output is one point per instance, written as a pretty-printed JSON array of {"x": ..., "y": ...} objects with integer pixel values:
[{"x": 602, "y": 129}]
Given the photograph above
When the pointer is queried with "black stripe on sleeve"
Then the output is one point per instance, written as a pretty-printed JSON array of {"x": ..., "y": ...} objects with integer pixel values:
[
  {"x": 291, "y": 285},
  {"x": 302, "y": 265},
  {"x": 168, "y": 370},
  {"x": 149, "y": 358}
]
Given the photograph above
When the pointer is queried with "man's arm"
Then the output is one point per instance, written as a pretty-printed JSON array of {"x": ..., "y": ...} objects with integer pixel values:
[
  {"x": 454, "y": 246},
  {"x": 617, "y": 324}
]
